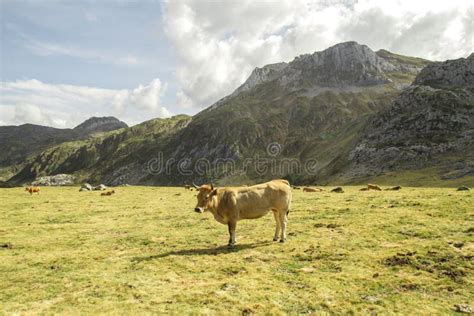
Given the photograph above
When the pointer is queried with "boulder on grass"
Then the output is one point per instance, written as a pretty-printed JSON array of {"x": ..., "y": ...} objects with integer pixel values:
[
  {"x": 100, "y": 187},
  {"x": 86, "y": 187}
]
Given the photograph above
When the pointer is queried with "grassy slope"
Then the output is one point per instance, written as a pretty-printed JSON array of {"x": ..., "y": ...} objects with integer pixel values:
[
  {"x": 145, "y": 250},
  {"x": 94, "y": 155}
]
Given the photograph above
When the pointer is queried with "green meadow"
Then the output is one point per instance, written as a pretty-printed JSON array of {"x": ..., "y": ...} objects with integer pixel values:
[{"x": 144, "y": 250}]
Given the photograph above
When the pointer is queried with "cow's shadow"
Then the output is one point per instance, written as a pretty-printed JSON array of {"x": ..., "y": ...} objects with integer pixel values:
[{"x": 203, "y": 251}]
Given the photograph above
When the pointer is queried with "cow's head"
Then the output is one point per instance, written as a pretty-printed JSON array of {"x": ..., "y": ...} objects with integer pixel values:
[{"x": 204, "y": 197}]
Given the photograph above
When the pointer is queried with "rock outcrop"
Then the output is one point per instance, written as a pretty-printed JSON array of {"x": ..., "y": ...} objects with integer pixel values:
[
  {"x": 56, "y": 180},
  {"x": 452, "y": 73},
  {"x": 435, "y": 116}
]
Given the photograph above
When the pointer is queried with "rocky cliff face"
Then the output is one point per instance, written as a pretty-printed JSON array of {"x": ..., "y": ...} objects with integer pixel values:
[
  {"x": 340, "y": 66},
  {"x": 448, "y": 74},
  {"x": 431, "y": 120},
  {"x": 261, "y": 75}
]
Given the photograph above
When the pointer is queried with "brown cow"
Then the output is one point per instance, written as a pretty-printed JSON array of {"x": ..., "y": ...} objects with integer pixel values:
[
  {"x": 338, "y": 190},
  {"x": 33, "y": 189},
  {"x": 108, "y": 193},
  {"x": 373, "y": 187},
  {"x": 187, "y": 187},
  {"x": 231, "y": 204},
  {"x": 307, "y": 189},
  {"x": 396, "y": 188}
]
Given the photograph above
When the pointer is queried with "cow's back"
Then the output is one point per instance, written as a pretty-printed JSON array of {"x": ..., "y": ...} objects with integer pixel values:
[{"x": 255, "y": 201}]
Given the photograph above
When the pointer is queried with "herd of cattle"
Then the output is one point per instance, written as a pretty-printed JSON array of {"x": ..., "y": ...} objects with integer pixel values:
[
  {"x": 229, "y": 205},
  {"x": 369, "y": 187}
]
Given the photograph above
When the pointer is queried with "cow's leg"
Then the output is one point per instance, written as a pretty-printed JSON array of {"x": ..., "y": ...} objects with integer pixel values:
[
  {"x": 277, "y": 225},
  {"x": 283, "y": 222},
  {"x": 232, "y": 226}
]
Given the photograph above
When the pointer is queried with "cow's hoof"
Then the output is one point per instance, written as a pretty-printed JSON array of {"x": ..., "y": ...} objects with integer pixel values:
[
  {"x": 275, "y": 239},
  {"x": 231, "y": 246},
  {"x": 282, "y": 240}
]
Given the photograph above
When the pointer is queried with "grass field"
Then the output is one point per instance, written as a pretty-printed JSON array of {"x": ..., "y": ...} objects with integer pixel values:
[{"x": 145, "y": 250}]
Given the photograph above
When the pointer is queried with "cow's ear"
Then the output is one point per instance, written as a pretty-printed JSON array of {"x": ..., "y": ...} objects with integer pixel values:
[{"x": 214, "y": 192}]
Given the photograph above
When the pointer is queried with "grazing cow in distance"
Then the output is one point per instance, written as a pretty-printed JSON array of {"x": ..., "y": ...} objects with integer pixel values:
[
  {"x": 307, "y": 189},
  {"x": 373, "y": 187},
  {"x": 395, "y": 188},
  {"x": 33, "y": 190},
  {"x": 228, "y": 205},
  {"x": 187, "y": 187},
  {"x": 108, "y": 193}
]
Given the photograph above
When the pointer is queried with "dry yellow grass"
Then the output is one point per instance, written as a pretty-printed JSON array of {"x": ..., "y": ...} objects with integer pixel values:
[{"x": 145, "y": 250}]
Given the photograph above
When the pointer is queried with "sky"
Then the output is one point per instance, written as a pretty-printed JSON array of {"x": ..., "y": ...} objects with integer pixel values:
[{"x": 62, "y": 62}]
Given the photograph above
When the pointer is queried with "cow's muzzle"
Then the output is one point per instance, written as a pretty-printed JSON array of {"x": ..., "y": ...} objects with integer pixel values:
[{"x": 198, "y": 210}]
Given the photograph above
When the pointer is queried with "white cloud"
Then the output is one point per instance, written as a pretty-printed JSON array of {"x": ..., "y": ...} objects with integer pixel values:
[
  {"x": 148, "y": 97},
  {"x": 50, "y": 49},
  {"x": 219, "y": 43},
  {"x": 32, "y": 101}
]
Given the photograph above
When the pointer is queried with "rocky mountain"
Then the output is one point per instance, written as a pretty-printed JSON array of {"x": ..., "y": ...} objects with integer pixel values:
[
  {"x": 312, "y": 108},
  {"x": 17, "y": 143},
  {"x": 341, "y": 66},
  {"x": 352, "y": 112},
  {"x": 429, "y": 124}
]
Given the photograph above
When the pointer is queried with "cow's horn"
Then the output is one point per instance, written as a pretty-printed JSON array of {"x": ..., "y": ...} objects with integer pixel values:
[{"x": 195, "y": 186}]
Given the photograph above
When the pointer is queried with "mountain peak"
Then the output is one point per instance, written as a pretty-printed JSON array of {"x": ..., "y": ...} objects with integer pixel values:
[
  {"x": 347, "y": 64},
  {"x": 100, "y": 124},
  {"x": 341, "y": 65}
]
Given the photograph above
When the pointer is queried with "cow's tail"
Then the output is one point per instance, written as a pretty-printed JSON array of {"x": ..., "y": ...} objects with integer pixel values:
[{"x": 289, "y": 202}]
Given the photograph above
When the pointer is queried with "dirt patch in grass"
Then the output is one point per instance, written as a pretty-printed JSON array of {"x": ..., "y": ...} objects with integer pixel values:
[
  {"x": 453, "y": 266},
  {"x": 329, "y": 226}
]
